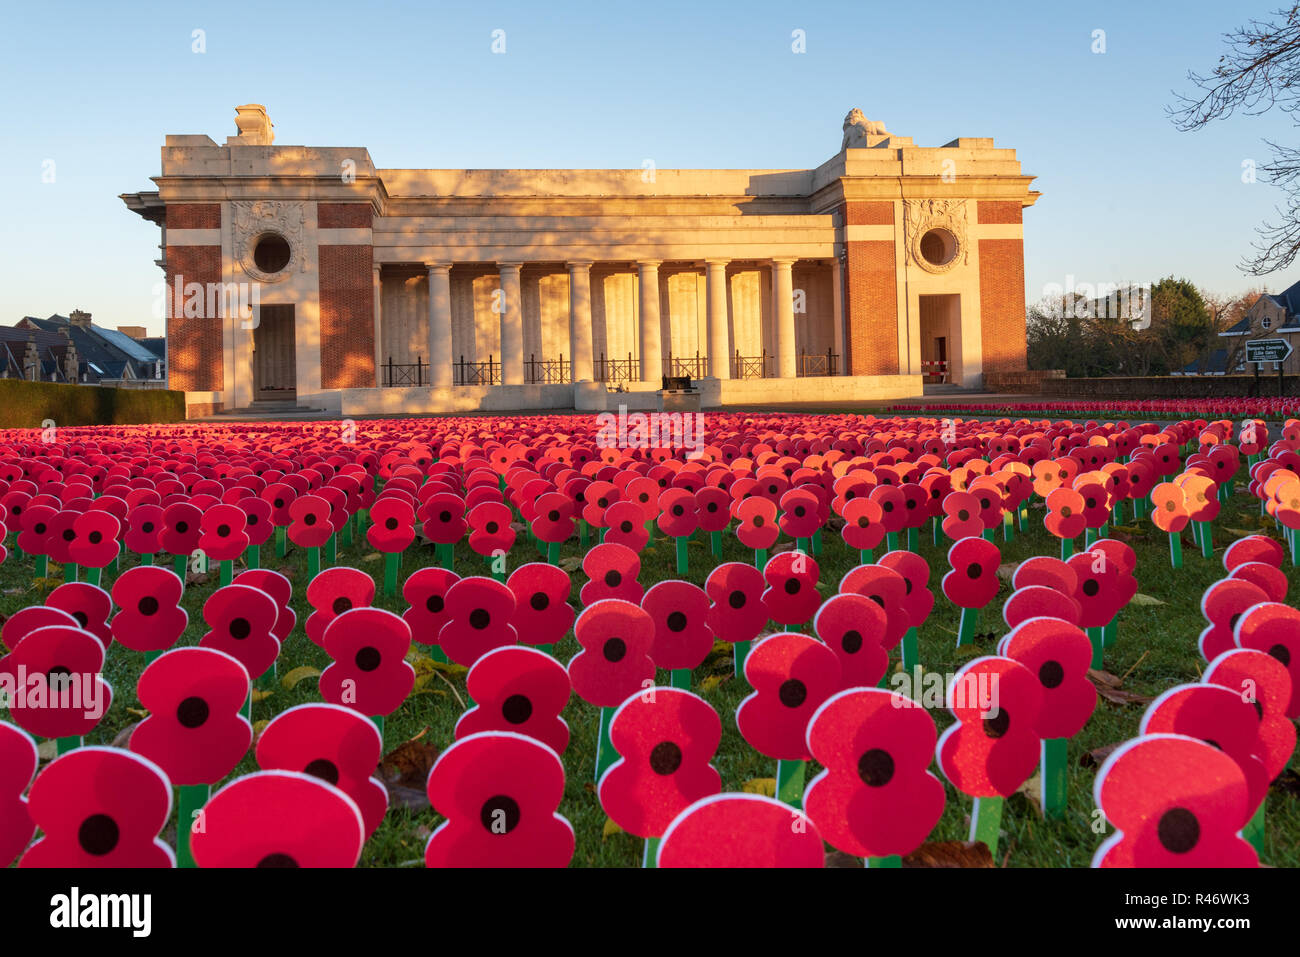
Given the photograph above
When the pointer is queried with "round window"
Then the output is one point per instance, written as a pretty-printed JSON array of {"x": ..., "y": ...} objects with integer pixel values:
[
  {"x": 938, "y": 246},
  {"x": 1266, "y": 322},
  {"x": 271, "y": 253}
]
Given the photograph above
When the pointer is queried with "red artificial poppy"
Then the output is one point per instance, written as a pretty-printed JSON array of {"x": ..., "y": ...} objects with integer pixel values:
[
  {"x": 89, "y": 604},
  {"x": 1060, "y": 654},
  {"x": 1272, "y": 581},
  {"x": 853, "y": 626},
  {"x": 1039, "y": 601},
  {"x": 993, "y": 747},
  {"x": 144, "y": 530},
  {"x": 611, "y": 570},
  {"x": 499, "y": 792},
  {"x": 223, "y": 537},
  {"x": 1253, "y": 548},
  {"x": 973, "y": 581},
  {"x": 257, "y": 519},
  {"x": 311, "y": 521},
  {"x": 677, "y": 516},
  {"x": 1066, "y": 516},
  {"x": 863, "y": 528},
  {"x": 1104, "y": 587},
  {"x": 800, "y": 513},
  {"x": 151, "y": 616},
  {"x": 617, "y": 638},
  {"x": 37, "y": 522},
  {"x": 665, "y": 740},
  {"x": 542, "y": 613},
  {"x": 1275, "y": 628},
  {"x": 94, "y": 542},
  {"x": 279, "y": 495},
  {"x": 791, "y": 595},
  {"x": 625, "y": 526},
  {"x": 888, "y": 589},
  {"x": 393, "y": 525},
  {"x": 1169, "y": 507},
  {"x": 100, "y": 807},
  {"x": 1048, "y": 572},
  {"x": 791, "y": 675},
  {"x": 713, "y": 506},
  {"x": 333, "y": 592},
  {"x": 62, "y": 535},
  {"x": 680, "y": 611},
  {"x": 26, "y": 620},
  {"x": 194, "y": 730},
  {"x": 1174, "y": 802},
  {"x": 58, "y": 690},
  {"x": 737, "y": 612},
  {"x": 180, "y": 532},
  {"x": 1202, "y": 496},
  {"x": 479, "y": 614},
  {"x": 875, "y": 796},
  {"x": 757, "y": 518},
  {"x": 519, "y": 689},
  {"x": 280, "y": 590},
  {"x": 425, "y": 592},
  {"x": 242, "y": 621},
  {"x": 279, "y": 819},
  {"x": 553, "y": 521},
  {"x": 741, "y": 830},
  {"x": 893, "y": 507},
  {"x": 334, "y": 744},
  {"x": 962, "y": 515},
  {"x": 1222, "y": 604},
  {"x": 599, "y": 496},
  {"x": 490, "y": 530},
  {"x": 18, "y": 762},
  {"x": 1261, "y": 681},
  {"x": 918, "y": 600},
  {"x": 369, "y": 673}
]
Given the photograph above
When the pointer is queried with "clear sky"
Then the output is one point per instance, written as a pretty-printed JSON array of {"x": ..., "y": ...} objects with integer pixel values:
[{"x": 94, "y": 86}]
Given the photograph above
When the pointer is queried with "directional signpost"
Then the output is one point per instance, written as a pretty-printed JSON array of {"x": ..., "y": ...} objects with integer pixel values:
[{"x": 1276, "y": 351}]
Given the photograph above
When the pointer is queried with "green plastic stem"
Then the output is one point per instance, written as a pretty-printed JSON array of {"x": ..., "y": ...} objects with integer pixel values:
[
  {"x": 1054, "y": 780},
  {"x": 681, "y": 678},
  {"x": 741, "y": 651},
  {"x": 1096, "y": 636},
  {"x": 715, "y": 543},
  {"x": 683, "y": 560},
  {"x": 605, "y": 753},
  {"x": 70, "y": 743},
  {"x": 651, "y": 852},
  {"x": 891, "y": 541},
  {"x": 1176, "y": 549},
  {"x": 281, "y": 534},
  {"x": 893, "y": 860},
  {"x": 313, "y": 562},
  {"x": 192, "y": 799},
  {"x": 390, "y": 574},
  {"x": 911, "y": 649},
  {"x": 789, "y": 782},
  {"x": 866, "y": 556},
  {"x": 986, "y": 822},
  {"x": 1067, "y": 548},
  {"x": 1207, "y": 540},
  {"x": 253, "y": 556},
  {"x": 970, "y": 618},
  {"x": 760, "y": 558},
  {"x": 227, "y": 572}
]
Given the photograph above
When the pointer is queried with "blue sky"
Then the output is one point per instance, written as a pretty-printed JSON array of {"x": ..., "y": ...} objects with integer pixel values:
[{"x": 94, "y": 87}]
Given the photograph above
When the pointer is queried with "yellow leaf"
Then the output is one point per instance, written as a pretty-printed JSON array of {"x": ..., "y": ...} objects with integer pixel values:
[
  {"x": 448, "y": 668},
  {"x": 47, "y": 750},
  {"x": 1141, "y": 599},
  {"x": 711, "y": 682},
  {"x": 1239, "y": 532},
  {"x": 290, "y": 680},
  {"x": 259, "y": 727},
  {"x": 372, "y": 557},
  {"x": 610, "y": 828},
  {"x": 260, "y": 695},
  {"x": 764, "y": 786},
  {"x": 138, "y": 712}
]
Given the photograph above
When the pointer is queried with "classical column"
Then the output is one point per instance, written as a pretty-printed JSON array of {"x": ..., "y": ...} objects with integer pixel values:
[
  {"x": 440, "y": 325},
  {"x": 580, "y": 320},
  {"x": 512, "y": 325},
  {"x": 837, "y": 318},
  {"x": 379, "y": 339},
  {"x": 783, "y": 285},
  {"x": 651, "y": 331},
  {"x": 719, "y": 343}
]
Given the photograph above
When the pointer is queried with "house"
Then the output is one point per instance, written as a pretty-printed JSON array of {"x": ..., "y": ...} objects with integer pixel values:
[
  {"x": 1273, "y": 316},
  {"x": 37, "y": 355},
  {"x": 105, "y": 356}
]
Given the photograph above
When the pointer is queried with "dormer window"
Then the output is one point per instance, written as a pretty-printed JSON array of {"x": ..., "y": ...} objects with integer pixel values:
[{"x": 1265, "y": 322}]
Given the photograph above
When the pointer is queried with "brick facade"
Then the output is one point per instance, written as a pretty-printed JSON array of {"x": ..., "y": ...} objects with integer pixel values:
[
  {"x": 193, "y": 215},
  {"x": 343, "y": 215},
  {"x": 871, "y": 307},
  {"x": 1002, "y": 304},
  {"x": 347, "y": 317},
  {"x": 996, "y": 213},
  {"x": 194, "y": 343},
  {"x": 868, "y": 214}
]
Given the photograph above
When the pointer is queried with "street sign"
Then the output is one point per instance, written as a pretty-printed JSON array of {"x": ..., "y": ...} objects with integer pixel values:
[{"x": 1267, "y": 350}]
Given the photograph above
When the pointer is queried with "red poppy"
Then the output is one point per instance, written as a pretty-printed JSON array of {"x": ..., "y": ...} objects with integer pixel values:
[
  {"x": 713, "y": 506},
  {"x": 56, "y": 670},
  {"x": 599, "y": 496},
  {"x": 1275, "y": 628},
  {"x": 741, "y": 830},
  {"x": 677, "y": 516},
  {"x": 144, "y": 528},
  {"x": 611, "y": 570},
  {"x": 334, "y": 744},
  {"x": 520, "y": 689},
  {"x": 1065, "y": 516},
  {"x": 94, "y": 544},
  {"x": 1217, "y": 716},
  {"x": 280, "y": 590},
  {"x": 1271, "y": 580},
  {"x": 993, "y": 747},
  {"x": 26, "y": 620},
  {"x": 553, "y": 521},
  {"x": 1048, "y": 572},
  {"x": 757, "y": 517},
  {"x": 665, "y": 740},
  {"x": 1060, "y": 654},
  {"x": 279, "y": 819},
  {"x": 18, "y": 762},
  {"x": 151, "y": 616},
  {"x": 893, "y": 507},
  {"x": 280, "y": 496},
  {"x": 425, "y": 592},
  {"x": 962, "y": 511},
  {"x": 791, "y": 675},
  {"x": 616, "y": 638},
  {"x": 89, "y": 604},
  {"x": 737, "y": 612},
  {"x": 863, "y": 528},
  {"x": 1253, "y": 548},
  {"x": 791, "y": 595},
  {"x": 180, "y": 532},
  {"x": 853, "y": 626},
  {"x": 542, "y": 612},
  {"x": 973, "y": 581},
  {"x": 479, "y": 614},
  {"x": 392, "y": 527},
  {"x": 1262, "y": 681},
  {"x": 1202, "y": 496},
  {"x": 800, "y": 514},
  {"x": 490, "y": 528},
  {"x": 1223, "y": 603},
  {"x": 311, "y": 524},
  {"x": 333, "y": 592},
  {"x": 194, "y": 730},
  {"x": 37, "y": 521},
  {"x": 100, "y": 807},
  {"x": 1175, "y": 802},
  {"x": 242, "y": 620},
  {"x": 1104, "y": 588},
  {"x": 625, "y": 526},
  {"x": 62, "y": 535},
  {"x": 1039, "y": 601},
  {"x": 680, "y": 611},
  {"x": 875, "y": 796},
  {"x": 1169, "y": 507},
  {"x": 918, "y": 600},
  {"x": 223, "y": 537},
  {"x": 369, "y": 673},
  {"x": 888, "y": 589}
]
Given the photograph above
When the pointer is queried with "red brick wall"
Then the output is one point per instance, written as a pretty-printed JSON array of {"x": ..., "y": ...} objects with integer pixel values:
[
  {"x": 1002, "y": 304},
  {"x": 871, "y": 303},
  {"x": 194, "y": 343},
  {"x": 343, "y": 215},
  {"x": 347, "y": 317},
  {"x": 991, "y": 213},
  {"x": 868, "y": 214},
  {"x": 194, "y": 216}
]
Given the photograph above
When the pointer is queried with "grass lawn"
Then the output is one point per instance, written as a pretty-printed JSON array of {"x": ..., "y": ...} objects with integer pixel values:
[{"x": 1156, "y": 649}]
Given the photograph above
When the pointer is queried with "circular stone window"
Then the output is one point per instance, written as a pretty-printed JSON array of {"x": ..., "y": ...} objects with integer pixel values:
[
  {"x": 271, "y": 253},
  {"x": 938, "y": 247}
]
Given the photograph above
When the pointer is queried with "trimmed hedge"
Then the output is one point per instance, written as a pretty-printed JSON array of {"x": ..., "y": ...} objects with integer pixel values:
[
  {"x": 24, "y": 405},
  {"x": 1170, "y": 387}
]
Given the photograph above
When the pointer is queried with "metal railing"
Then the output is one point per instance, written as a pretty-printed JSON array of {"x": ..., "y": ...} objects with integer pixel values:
[
  {"x": 696, "y": 368},
  {"x": 617, "y": 370},
  {"x": 816, "y": 364},
  {"x": 751, "y": 367},
  {"x": 476, "y": 373},
  {"x": 548, "y": 370},
  {"x": 405, "y": 373}
]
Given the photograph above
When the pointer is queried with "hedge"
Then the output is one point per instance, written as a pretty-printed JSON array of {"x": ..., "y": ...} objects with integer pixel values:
[{"x": 25, "y": 405}]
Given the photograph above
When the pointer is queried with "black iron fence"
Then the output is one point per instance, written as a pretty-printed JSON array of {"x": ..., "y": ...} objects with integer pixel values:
[
  {"x": 617, "y": 370},
  {"x": 751, "y": 367},
  {"x": 696, "y": 367},
  {"x": 548, "y": 370},
  {"x": 476, "y": 373},
  {"x": 817, "y": 364},
  {"x": 406, "y": 373}
]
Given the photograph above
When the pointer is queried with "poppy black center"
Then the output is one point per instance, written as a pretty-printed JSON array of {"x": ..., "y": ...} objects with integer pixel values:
[
  {"x": 973, "y": 570},
  {"x": 665, "y": 758},
  {"x": 98, "y": 834},
  {"x": 996, "y": 726},
  {"x": 792, "y": 586},
  {"x": 613, "y": 579},
  {"x": 793, "y": 693},
  {"x": 368, "y": 658},
  {"x": 192, "y": 712},
  {"x": 434, "y": 603},
  {"x": 148, "y": 605},
  {"x": 1091, "y": 587},
  {"x": 615, "y": 649},
  {"x": 1178, "y": 830},
  {"x": 223, "y": 531},
  {"x": 492, "y": 528},
  {"x": 342, "y": 604},
  {"x": 277, "y": 860},
  {"x": 1282, "y": 653},
  {"x": 517, "y": 709},
  {"x": 240, "y": 629},
  {"x": 851, "y": 642},
  {"x": 677, "y": 621},
  {"x": 500, "y": 814},
  {"x": 324, "y": 769},
  {"x": 1051, "y": 674},
  {"x": 876, "y": 768},
  {"x": 625, "y": 527},
  {"x": 540, "y": 601},
  {"x": 736, "y": 599},
  {"x": 391, "y": 524}
]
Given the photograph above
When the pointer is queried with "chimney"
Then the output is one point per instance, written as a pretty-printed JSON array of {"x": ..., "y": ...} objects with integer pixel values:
[
  {"x": 32, "y": 360},
  {"x": 70, "y": 363},
  {"x": 79, "y": 318}
]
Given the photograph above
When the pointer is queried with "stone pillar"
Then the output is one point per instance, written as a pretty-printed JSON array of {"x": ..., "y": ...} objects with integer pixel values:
[
  {"x": 651, "y": 330},
  {"x": 379, "y": 340},
  {"x": 783, "y": 292},
  {"x": 837, "y": 318},
  {"x": 719, "y": 342},
  {"x": 580, "y": 321},
  {"x": 512, "y": 325},
  {"x": 440, "y": 325}
]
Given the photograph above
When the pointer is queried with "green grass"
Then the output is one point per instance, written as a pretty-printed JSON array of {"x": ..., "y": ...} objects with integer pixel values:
[{"x": 1156, "y": 649}]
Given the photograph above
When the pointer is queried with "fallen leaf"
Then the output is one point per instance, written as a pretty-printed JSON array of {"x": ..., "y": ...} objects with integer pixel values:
[
  {"x": 1032, "y": 790},
  {"x": 950, "y": 854},
  {"x": 1097, "y": 756},
  {"x": 1007, "y": 570},
  {"x": 1100, "y": 678},
  {"x": 408, "y": 764},
  {"x": 121, "y": 741},
  {"x": 1118, "y": 696},
  {"x": 196, "y": 578},
  {"x": 712, "y": 681},
  {"x": 840, "y": 859},
  {"x": 372, "y": 557},
  {"x": 1141, "y": 599},
  {"x": 138, "y": 712},
  {"x": 1239, "y": 532},
  {"x": 571, "y": 564},
  {"x": 260, "y": 694},
  {"x": 610, "y": 828},
  {"x": 49, "y": 750},
  {"x": 258, "y": 728},
  {"x": 288, "y": 571},
  {"x": 290, "y": 680},
  {"x": 413, "y": 799},
  {"x": 763, "y": 786}
]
